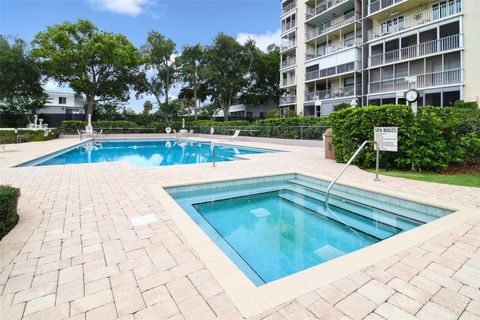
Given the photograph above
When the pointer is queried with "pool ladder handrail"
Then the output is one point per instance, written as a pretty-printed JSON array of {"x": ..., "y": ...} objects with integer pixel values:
[{"x": 327, "y": 194}]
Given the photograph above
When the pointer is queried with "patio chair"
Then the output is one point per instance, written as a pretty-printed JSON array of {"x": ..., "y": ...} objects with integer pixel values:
[
  {"x": 3, "y": 148},
  {"x": 235, "y": 135},
  {"x": 190, "y": 133}
]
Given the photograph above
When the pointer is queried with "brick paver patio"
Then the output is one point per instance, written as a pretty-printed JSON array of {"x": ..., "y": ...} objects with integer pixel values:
[{"x": 76, "y": 254}]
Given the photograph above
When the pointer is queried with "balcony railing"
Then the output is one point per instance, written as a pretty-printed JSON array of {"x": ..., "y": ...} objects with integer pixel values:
[
  {"x": 288, "y": 62},
  {"x": 342, "y": 68},
  {"x": 381, "y": 4},
  {"x": 288, "y": 99},
  {"x": 323, "y": 51},
  {"x": 289, "y": 7},
  {"x": 422, "y": 81},
  {"x": 321, "y": 7},
  {"x": 422, "y": 49},
  {"x": 330, "y": 94},
  {"x": 288, "y": 45},
  {"x": 331, "y": 25},
  {"x": 288, "y": 82},
  {"x": 426, "y": 16},
  {"x": 289, "y": 25}
]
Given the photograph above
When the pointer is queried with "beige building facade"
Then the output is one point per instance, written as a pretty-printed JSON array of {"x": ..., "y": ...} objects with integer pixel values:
[{"x": 372, "y": 52}]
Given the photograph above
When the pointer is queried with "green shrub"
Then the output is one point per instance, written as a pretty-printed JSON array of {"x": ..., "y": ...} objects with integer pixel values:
[
  {"x": 24, "y": 135},
  {"x": 71, "y": 126},
  {"x": 8, "y": 208},
  {"x": 467, "y": 105},
  {"x": 341, "y": 106},
  {"x": 429, "y": 141}
]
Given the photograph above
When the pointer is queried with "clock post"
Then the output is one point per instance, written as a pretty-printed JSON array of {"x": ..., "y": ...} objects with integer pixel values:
[{"x": 412, "y": 94}]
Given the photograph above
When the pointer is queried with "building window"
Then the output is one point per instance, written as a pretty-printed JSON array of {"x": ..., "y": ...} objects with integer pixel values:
[
  {"x": 347, "y": 82},
  {"x": 62, "y": 100},
  {"x": 393, "y": 25}
]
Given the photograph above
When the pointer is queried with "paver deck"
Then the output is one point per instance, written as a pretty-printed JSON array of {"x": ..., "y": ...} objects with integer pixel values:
[{"x": 76, "y": 254}]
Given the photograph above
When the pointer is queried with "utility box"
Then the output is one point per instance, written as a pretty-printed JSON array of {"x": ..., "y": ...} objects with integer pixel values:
[{"x": 327, "y": 139}]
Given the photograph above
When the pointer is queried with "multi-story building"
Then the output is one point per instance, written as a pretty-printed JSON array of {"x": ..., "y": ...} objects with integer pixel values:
[{"x": 335, "y": 51}]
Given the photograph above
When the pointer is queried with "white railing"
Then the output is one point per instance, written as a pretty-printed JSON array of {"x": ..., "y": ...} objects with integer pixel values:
[
  {"x": 288, "y": 82},
  {"x": 321, "y": 7},
  {"x": 288, "y": 99},
  {"x": 330, "y": 94},
  {"x": 381, "y": 4},
  {"x": 338, "y": 69},
  {"x": 288, "y": 62},
  {"x": 323, "y": 51},
  {"x": 434, "y": 46},
  {"x": 426, "y": 16},
  {"x": 422, "y": 81},
  {"x": 288, "y": 45},
  {"x": 289, "y": 7},
  {"x": 331, "y": 25},
  {"x": 289, "y": 25}
]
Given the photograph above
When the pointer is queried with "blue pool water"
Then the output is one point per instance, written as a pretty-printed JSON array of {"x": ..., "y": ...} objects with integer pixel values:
[
  {"x": 145, "y": 153},
  {"x": 276, "y": 226}
]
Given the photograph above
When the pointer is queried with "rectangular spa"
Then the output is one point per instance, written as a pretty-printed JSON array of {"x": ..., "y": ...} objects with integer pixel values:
[
  {"x": 272, "y": 227},
  {"x": 145, "y": 153}
]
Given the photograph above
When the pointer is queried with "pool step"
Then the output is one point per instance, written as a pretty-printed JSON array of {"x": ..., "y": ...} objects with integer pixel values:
[
  {"x": 357, "y": 222},
  {"x": 403, "y": 212},
  {"x": 360, "y": 209}
]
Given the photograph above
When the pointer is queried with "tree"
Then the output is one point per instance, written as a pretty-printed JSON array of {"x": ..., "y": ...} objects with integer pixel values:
[
  {"x": 187, "y": 95},
  {"x": 20, "y": 79},
  {"x": 99, "y": 65},
  {"x": 264, "y": 82},
  {"x": 191, "y": 73},
  {"x": 147, "y": 107},
  {"x": 226, "y": 70},
  {"x": 159, "y": 71}
]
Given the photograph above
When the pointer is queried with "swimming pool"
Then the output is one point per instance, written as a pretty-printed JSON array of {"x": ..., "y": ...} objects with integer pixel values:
[
  {"x": 272, "y": 227},
  {"x": 145, "y": 153}
]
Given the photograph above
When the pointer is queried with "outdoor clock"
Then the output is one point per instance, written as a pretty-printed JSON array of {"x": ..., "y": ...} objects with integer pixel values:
[{"x": 411, "y": 95}]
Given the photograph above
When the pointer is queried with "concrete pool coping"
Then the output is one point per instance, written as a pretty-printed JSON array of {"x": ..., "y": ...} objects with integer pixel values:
[{"x": 252, "y": 300}]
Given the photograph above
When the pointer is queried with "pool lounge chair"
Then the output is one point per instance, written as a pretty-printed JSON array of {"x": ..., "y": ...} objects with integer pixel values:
[
  {"x": 3, "y": 148},
  {"x": 235, "y": 135}
]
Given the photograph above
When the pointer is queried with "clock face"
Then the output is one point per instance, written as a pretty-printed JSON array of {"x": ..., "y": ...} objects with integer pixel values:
[{"x": 411, "y": 95}]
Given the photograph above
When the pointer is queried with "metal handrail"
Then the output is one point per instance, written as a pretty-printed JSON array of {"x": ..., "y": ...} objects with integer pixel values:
[
  {"x": 212, "y": 147},
  {"x": 327, "y": 194}
]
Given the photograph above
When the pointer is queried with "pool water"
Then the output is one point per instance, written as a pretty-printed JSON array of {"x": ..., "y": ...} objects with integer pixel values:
[
  {"x": 145, "y": 153},
  {"x": 276, "y": 226}
]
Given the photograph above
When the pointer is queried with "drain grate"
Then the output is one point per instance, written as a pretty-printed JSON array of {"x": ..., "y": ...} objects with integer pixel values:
[
  {"x": 260, "y": 212},
  {"x": 328, "y": 252}
]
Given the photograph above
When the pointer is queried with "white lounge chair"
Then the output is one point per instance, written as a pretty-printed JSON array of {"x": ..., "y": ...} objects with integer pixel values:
[
  {"x": 190, "y": 133},
  {"x": 3, "y": 148},
  {"x": 235, "y": 135}
]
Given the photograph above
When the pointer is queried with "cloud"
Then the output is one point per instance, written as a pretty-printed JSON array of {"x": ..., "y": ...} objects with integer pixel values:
[
  {"x": 129, "y": 7},
  {"x": 52, "y": 85},
  {"x": 262, "y": 40}
]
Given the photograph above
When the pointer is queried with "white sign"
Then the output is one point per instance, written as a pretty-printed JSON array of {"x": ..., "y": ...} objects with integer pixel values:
[{"x": 387, "y": 138}]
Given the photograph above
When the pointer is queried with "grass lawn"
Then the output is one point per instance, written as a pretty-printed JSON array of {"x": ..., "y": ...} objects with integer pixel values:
[{"x": 461, "y": 179}]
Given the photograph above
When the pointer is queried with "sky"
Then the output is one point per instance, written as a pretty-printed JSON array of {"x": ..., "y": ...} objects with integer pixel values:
[{"x": 184, "y": 21}]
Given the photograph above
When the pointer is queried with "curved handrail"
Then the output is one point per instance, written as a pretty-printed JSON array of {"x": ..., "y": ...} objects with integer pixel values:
[{"x": 327, "y": 194}]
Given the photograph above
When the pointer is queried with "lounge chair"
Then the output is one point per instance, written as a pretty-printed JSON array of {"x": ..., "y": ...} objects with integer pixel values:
[
  {"x": 235, "y": 135},
  {"x": 3, "y": 148},
  {"x": 190, "y": 133}
]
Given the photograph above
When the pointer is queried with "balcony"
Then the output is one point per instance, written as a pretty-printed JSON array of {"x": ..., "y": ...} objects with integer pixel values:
[
  {"x": 330, "y": 94},
  {"x": 445, "y": 10},
  {"x": 288, "y": 7},
  {"x": 288, "y": 82},
  {"x": 320, "y": 52},
  {"x": 321, "y": 7},
  {"x": 288, "y": 62},
  {"x": 288, "y": 26},
  {"x": 426, "y": 48},
  {"x": 288, "y": 99},
  {"x": 288, "y": 45},
  {"x": 422, "y": 81},
  {"x": 381, "y": 4},
  {"x": 332, "y": 25},
  {"x": 324, "y": 73}
]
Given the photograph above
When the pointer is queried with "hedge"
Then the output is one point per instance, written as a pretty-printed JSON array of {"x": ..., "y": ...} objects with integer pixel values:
[
  {"x": 431, "y": 140},
  {"x": 8, "y": 136},
  {"x": 8, "y": 208}
]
